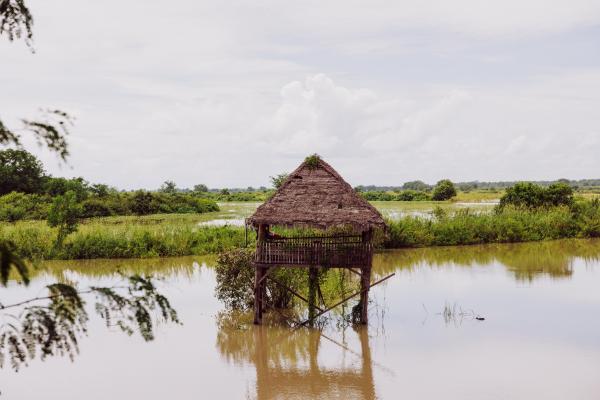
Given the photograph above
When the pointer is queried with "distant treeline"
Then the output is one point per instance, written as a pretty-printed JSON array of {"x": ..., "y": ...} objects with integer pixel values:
[
  {"x": 27, "y": 192},
  {"x": 477, "y": 185}
]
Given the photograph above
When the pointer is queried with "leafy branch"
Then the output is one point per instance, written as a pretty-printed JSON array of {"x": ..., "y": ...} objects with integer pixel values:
[
  {"x": 16, "y": 21},
  {"x": 55, "y": 326},
  {"x": 50, "y": 129}
]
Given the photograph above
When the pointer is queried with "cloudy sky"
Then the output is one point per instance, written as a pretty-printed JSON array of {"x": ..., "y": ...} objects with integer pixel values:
[{"x": 227, "y": 93}]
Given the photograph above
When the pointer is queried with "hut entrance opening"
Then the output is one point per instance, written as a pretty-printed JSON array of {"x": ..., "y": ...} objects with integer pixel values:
[{"x": 315, "y": 196}]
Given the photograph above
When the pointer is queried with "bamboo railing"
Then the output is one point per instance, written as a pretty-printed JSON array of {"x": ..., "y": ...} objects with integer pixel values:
[{"x": 325, "y": 251}]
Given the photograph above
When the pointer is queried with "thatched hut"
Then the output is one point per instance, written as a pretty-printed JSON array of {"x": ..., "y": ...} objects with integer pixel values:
[{"x": 315, "y": 196}]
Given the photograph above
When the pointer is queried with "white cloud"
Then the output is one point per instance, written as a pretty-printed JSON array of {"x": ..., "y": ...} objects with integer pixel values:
[{"x": 228, "y": 93}]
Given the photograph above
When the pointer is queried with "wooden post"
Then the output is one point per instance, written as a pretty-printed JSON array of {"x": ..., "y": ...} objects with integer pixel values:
[
  {"x": 259, "y": 282},
  {"x": 365, "y": 283}
]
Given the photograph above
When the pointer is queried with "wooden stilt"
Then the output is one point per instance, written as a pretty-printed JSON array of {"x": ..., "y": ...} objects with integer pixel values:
[
  {"x": 365, "y": 284},
  {"x": 344, "y": 300},
  {"x": 259, "y": 293},
  {"x": 292, "y": 291}
]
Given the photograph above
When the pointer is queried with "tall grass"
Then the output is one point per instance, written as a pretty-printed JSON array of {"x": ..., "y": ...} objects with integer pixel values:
[
  {"x": 510, "y": 225},
  {"x": 96, "y": 239},
  {"x": 177, "y": 235}
]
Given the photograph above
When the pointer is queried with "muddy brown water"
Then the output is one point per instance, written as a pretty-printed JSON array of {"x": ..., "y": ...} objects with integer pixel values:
[{"x": 540, "y": 338}]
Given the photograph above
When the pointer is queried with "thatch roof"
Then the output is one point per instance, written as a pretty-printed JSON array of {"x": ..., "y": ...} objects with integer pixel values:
[{"x": 315, "y": 195}]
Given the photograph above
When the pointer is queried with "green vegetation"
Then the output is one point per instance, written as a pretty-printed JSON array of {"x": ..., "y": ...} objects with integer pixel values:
[
  {"x": 30, "y": 194},
  {"x": 97, "y": 221},
  {"x": 20, "y": 171},
  {"x": 180, "y": 234},
  {"x": 507, "y": 224},
  {"x": 404, "y": 195},
  {"x": 312, "y": 161},
  {"x": 123, "y": 237},
  {"x": 64, "y": 215},
  {"x": 235, "y": 283},
  {"x": 443, "y": 190},
  {"x": 20, "y": 206},
  {"x": 527, "y": 194},
  {"x": 278, "y": 180}
]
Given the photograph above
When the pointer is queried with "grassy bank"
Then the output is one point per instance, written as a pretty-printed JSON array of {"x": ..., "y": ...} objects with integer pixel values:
[
  {"x": 511, "y": 225},
  {"x": 123, "y": 237},
  {"x": 180, "y": 235}
]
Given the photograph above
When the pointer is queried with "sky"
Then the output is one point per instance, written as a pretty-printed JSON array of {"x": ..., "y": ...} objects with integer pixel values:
[{"x": 228, "y": 93}]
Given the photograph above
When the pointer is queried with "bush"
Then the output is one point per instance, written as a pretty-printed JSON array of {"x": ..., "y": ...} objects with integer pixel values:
[
  {"x": 205, "y": 205},
  {"x": 235, "y": 281},
  {"x": 60, "y": 186},
  {"x": 529, "y": 195},
  {"x": 235, "y": 278},
  {"x": 142, "y": 203},
  {"x": 443, "y": 190},
  {"x": 16, "y": 206},
  {"x": 412, "y": 195},
  {"x": 95, "y": 208}
]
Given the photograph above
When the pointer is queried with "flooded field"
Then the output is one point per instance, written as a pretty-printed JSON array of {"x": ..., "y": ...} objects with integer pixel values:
[
  {"x": 233, "y": 213},
  {"x": 540, "y": 337}
]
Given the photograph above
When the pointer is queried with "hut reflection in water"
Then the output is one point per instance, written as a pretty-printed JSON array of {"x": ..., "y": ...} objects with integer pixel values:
[{"x": 288, "y": 365}]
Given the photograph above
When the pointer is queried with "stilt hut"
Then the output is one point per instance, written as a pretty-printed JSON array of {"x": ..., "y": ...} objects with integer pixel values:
[{"x": 315, "y": 196}]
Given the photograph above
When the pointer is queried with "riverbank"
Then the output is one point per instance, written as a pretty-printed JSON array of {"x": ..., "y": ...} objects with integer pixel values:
[{"x": 182, "y": 235}]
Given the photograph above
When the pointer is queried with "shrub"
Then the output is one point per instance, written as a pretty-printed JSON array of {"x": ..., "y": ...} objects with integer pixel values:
[
  {"x": 95, "y": 208},
  {"x": 529, "y": 195},
  {"x": 235, "y": 281},
  {"x": 443, "y": 190},
  {"x": 412, "y": 195},
  {"x": 235, "y": 278},
  {"x": 64, "y": 215},
  {"x": 142, "y": 203},
  {"x": 16, "y": 206},
  {"x": 60, "y": 186}
]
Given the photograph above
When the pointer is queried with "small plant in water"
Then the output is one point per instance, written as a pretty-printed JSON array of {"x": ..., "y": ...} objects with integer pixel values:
[{"x": 455, "y": 314}]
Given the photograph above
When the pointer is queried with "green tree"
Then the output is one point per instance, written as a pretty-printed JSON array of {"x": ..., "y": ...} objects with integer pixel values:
[
  {"x": 559, "y": 194},
  {"x": 142, "y": 203},
  {"x": 416, "y": 185},
  {"x": 168, "y": 187},
  {"x": 100, "y": 190},
  {"x": 443, "y": 190},
  {"x": 60, "y": 186},
  {"x": 201, "y": 188},
  {"x": 20, "y": 171},
  {"x": 278, "y": 180},
  {"x": 530, "y": 195},
  {"x": 64, "y": 214}
]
